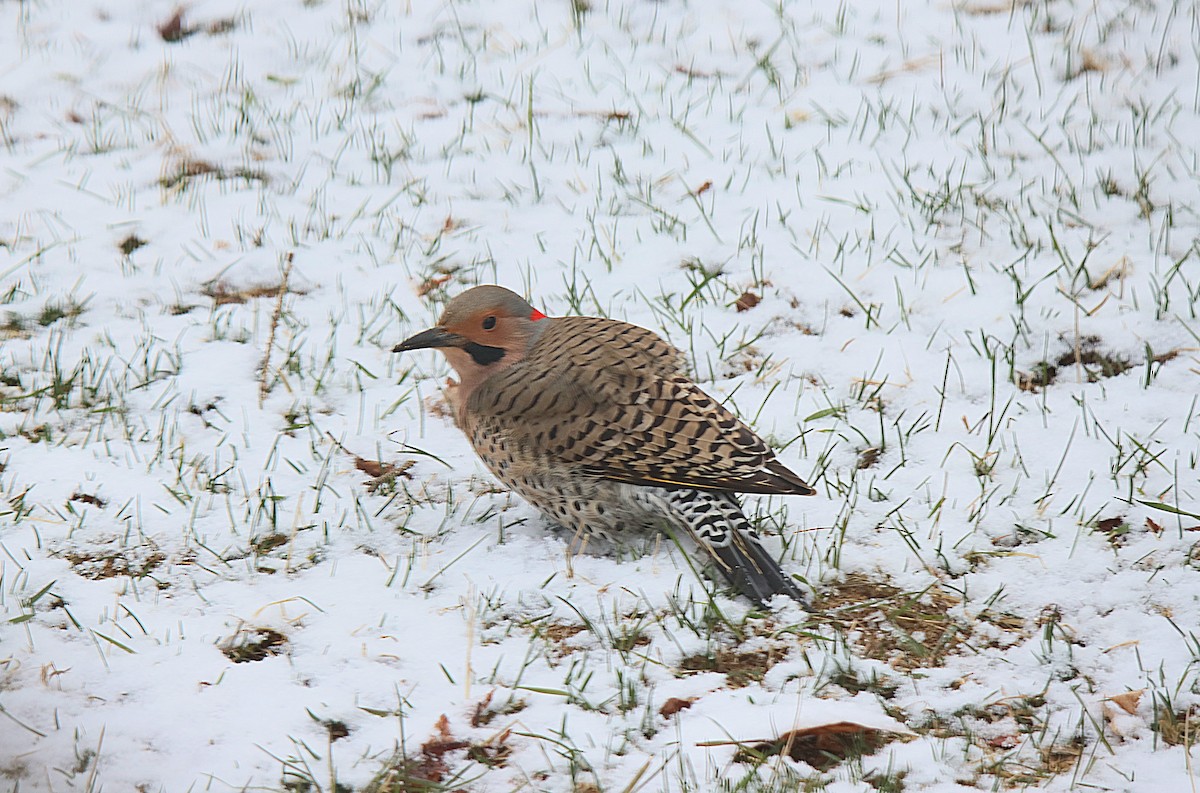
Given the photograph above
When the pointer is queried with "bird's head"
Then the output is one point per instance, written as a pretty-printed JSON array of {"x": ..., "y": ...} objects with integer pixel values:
[{"x": 483, "y": 330}]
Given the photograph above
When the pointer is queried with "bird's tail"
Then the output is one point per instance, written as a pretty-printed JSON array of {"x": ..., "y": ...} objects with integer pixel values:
[
  {"x": 717, "y": 523},
  {"x": 752, "y": 571}
]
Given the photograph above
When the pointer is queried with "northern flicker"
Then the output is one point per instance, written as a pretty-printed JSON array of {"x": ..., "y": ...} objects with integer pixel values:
[{"x": 593, "y": 422}]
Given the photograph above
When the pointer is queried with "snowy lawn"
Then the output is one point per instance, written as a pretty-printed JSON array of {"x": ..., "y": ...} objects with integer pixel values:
[{"x": 944, "y": 255}]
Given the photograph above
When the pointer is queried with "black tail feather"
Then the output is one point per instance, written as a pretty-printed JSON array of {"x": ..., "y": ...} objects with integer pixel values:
[
  {"x": 753, "y": 572},
  {"x": 716, "y": 522}
]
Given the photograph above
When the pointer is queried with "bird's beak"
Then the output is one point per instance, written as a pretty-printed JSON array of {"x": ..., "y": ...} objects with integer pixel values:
[{"x": 434, "y": 337}]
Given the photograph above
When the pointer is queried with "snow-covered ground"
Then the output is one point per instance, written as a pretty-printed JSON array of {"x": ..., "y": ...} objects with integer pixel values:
[{"x": 945, "y": 256}]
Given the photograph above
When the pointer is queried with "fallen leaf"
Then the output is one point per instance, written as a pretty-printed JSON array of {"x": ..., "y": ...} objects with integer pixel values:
[
  {"x": 747, "y": 301},
  {"x": 434, "y": 281},
  {"x": 821, "y": 747},
  {"x": 87, "y": 498},
  {"x": 1128, "y": 701},
  {"x": 376, "y": 469},
  {"x": 433, "y": 766},
  {"x": 674, "y": 705},
  {"x": 482, "y": 715},
  {"x": 173, "y": 30}
]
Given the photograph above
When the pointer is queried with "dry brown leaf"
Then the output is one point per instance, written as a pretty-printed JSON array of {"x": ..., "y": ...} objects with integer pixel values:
[
  {"x": 370, "y": 467},
  {"x": 376, "y": 469},
  {"x": 747, "y": 301},
  {"x": 88, "y": 498},
  {"x": 1128, "y": 701},
  {"x": 172, "y": 30},
  {"x": 432, "y": 766},
  {"x": 432, "y": 282},
  {"x": 482, "y": 716},
  {"x": 674, "y": 705},
  {"x": 821, "y": 747}
]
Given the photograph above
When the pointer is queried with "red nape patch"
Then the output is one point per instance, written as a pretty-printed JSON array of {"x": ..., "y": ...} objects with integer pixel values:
[{"x": 536, "y": 315}]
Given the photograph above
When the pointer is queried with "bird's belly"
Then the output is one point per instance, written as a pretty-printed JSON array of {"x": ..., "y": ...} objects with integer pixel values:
[
  {"x": 586, "y": 504},
  {"x": 610, "y": 510}
]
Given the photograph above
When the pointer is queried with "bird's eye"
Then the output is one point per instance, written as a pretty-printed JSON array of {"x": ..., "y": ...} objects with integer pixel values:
[{"x": 489, "y": 323}]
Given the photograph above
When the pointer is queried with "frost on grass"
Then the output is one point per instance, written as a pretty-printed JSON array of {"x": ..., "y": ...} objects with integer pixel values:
[{"x": 943, "y": 256}]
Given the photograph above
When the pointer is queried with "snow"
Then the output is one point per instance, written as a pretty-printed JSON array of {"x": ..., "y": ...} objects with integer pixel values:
[{"x": 930, "y": 199}]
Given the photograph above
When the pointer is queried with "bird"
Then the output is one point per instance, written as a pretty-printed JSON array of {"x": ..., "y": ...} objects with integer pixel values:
[{"x": 595, "y": 423}]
